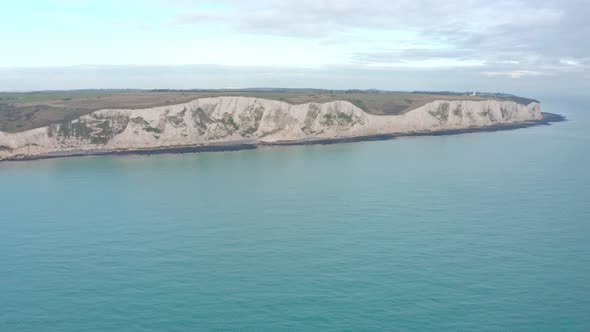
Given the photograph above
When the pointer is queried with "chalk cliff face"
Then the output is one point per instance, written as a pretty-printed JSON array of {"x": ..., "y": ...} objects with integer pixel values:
[{"x": 240, "y": 119}]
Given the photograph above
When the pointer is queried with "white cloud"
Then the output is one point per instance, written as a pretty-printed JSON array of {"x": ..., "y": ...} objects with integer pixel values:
[
  {"x": 507, "y": 36},
  {"x": 570, "y": 62},
  {"x": 506, "y": 41},
  {"x": 510, "y": 62},
  {"x": 514, "y": 74}
]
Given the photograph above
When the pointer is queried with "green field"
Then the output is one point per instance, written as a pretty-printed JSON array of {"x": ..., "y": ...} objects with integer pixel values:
[{"x": 23, "y": 111}]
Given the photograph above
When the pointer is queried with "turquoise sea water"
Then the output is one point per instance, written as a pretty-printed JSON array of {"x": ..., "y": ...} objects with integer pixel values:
[{"x": 484, "y": 231}]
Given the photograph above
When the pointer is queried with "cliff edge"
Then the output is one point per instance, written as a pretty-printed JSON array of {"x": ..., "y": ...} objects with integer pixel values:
[{"x": 234, "y": 120}]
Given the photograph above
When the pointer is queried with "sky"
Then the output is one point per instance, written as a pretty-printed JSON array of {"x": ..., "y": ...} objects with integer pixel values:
[{"x": 514, "y": 46}]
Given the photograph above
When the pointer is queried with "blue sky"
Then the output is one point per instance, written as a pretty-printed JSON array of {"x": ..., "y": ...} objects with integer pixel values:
[{"x": 518, "y": 46}]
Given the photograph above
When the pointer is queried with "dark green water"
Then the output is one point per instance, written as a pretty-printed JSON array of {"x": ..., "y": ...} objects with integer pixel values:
[{"x": 485, "y": 231}]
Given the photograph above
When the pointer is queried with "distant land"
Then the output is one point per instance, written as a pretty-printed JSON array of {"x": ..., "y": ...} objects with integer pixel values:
[{"x": 44, "y": 124}]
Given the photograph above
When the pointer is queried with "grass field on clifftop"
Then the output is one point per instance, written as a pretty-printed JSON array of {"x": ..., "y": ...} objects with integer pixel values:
[{"x": 23, "y": 111}]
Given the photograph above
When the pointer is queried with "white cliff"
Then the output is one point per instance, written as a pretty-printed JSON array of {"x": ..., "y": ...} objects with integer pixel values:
[{"x": 228, "y": 120}]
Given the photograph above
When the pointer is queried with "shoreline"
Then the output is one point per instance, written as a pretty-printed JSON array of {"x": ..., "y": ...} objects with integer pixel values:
[{"x": 548, "y": 119}]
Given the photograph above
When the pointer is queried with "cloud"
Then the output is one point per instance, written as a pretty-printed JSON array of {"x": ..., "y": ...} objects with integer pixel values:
[
  {"x": 515, "y": 74},
  {"x": 518, "y": 36},
  {"x": 198, "y": 17},
  {"x": 413, "y": 54},
  {"x": 389, "y": 44}
]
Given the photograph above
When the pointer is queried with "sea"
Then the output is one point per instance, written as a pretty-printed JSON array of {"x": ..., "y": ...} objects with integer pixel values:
[{"x": 483, "y": 231}]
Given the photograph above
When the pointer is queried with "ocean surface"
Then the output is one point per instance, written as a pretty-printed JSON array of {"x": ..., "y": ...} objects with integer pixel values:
[{"x": 484, "y": 231}]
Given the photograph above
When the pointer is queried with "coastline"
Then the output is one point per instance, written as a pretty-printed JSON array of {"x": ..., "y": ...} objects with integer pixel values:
[{"x": 548, "y": 119}]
